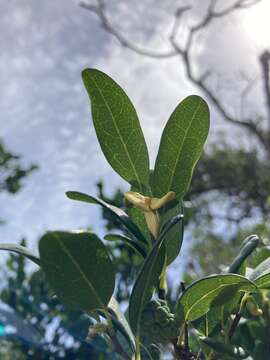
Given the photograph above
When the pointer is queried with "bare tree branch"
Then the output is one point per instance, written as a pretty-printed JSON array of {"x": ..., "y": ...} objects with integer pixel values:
[
  {"x": 184, "y": 52},
  {"x": 265, "y": 63},
  {"x": 100, "y": 10}
]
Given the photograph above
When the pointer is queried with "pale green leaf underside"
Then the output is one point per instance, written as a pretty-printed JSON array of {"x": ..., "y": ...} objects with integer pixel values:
[
  {"x": 117, "y": 128},
  {"x": 263, "y": 281},
  {"x": 78, "y": 268},
  {"x": 21, "y": 250},
  {"x": 181, "y": 146},
  {"x": 260, "y": 270},
  {"x": 198, "y": 298}
]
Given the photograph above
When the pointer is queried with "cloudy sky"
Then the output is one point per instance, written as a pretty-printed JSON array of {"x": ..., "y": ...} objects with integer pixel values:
[{"x": 44, "y": 110}]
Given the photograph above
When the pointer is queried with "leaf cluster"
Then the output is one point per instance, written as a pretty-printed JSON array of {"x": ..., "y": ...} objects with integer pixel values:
[{"x": 79, "y": 266}]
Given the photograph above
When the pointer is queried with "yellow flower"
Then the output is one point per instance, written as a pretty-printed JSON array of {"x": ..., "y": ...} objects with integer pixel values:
[{"x": 149, "y": 207}]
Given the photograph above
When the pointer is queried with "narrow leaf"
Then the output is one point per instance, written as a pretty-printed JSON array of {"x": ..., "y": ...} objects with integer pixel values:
[
  {"x": 235, "y": 352},
  {"x": 170, "y": 225},
  {"x": 261, "y": 269},
  {"x": 180, "y": 147},
  {"x": 261, "y": 274},
  {"x": 135, "y": 245},
  {"x": 146, "y": 280},
  {"x": 115, "y": 211},
  {"x": 201, "y": 295},
  {"x": 123, "y": 325},
  {"x": 118, "y": 129},
  {"x": 78, "y": 268},
  {"x": 263, "y": 281},
  {"x": 173, "y": 228},
  {"x": 248, "y": 246},
  {"x": 138, "y": 218},
  {"x": 21, "y": 250}
]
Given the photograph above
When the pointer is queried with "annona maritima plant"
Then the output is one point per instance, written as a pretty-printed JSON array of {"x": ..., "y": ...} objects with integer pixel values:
[{"x": 211, "y": 312}]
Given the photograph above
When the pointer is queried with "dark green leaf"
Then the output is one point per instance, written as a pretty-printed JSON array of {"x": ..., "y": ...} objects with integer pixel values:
[
  {"x": 210, "y": 323},
  {"x": 180, "y": 147},
  {"x": 118, "y": 128},
  {"x": 146, "y": 281},
  {"x": 121, "y": 322},
  {"x": 137, "y": 217},
  {"x": 135, "y": 245},
  {"x": 78, "y": 268},
  {"x": 21, "y": 250},
  {"x": 235, "y": 352},
  {"x": 200, "y": 296},
  {"x": 175, "y": 232},
  {"x": 170, "y": 225},
  {"x": 248, "y": 246},
  {"x": 115, "y": 211}
]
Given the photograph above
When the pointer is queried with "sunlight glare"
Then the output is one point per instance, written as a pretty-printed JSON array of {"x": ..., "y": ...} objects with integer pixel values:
[{"x": 256, "y": 23}]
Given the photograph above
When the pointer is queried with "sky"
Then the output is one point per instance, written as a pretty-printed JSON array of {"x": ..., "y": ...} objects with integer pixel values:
[{"x": 44, "y": 109}]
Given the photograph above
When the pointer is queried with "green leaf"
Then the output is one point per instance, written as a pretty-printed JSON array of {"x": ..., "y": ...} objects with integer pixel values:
[
  {"x": 170, "y": 224},
  {"x": 115, "y": 211},
  {"x": 174, "y": 237},
  {"x": 135, "y": 245},
  {"x": 138, "y": 218},
  {"x": 146, "y": 280},
  {"x": 236, "y": 352},
  {"x": 262, "y": 269},
  {"x": 210, "y": 323},
  {"x": 248, "y": 246},
  {"x": 201, "y": 295},
  {"x": 180, "y": 147},
  {"x": 121, "y": 322},
  {"x": 261, "y": 274},
  {"x": 21, "y": 250},
  {"x": 118, "y": 129},
  {"x": 263, "y": 281},
  {"x": 78, "y": 268}
]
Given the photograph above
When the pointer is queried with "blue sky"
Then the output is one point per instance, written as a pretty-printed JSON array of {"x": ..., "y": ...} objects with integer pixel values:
[{"x": 44, "y": 110}]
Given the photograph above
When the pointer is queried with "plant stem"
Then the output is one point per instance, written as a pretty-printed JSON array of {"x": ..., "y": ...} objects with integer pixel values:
[
  {"x": 138, "y": 352},
  {"x": 118, "y": 348},
  {"x": 234, "y": 325}
]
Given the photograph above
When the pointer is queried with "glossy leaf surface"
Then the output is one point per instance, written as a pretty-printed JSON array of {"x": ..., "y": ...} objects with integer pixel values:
[
  {"x": 147, "y": 279},
  {"x": 21, "y": 250},
  {"x": 174, "y": 237},
  {"x": 135, "y": 245},
  {"x": 248, "y": 246}
]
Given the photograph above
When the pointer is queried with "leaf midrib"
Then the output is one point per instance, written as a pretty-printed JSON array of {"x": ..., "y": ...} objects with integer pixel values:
[
  {"x": 206, "y": 295},
  {"x": 184, "y": 139},
  {"x": 75, "y": 263},
  {"x": 148, "y": 277},
  {"x": 118, "y": 132}
]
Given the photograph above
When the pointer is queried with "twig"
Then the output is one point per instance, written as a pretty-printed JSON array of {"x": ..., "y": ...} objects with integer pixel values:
[{"x": 185, "y": 53}]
